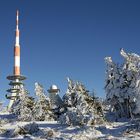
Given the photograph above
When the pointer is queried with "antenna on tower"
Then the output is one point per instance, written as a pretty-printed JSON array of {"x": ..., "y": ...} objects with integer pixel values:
[{"x": 17, "y": 19}]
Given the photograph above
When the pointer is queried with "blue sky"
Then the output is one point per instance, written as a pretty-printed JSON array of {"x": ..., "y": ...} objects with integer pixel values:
[{"x": 61, "y": 38}]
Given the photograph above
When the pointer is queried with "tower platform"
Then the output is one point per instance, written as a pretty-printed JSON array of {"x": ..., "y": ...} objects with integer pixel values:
[
  {"x": 11, "y": 96},
  {"x": 16, "y": 83},
  {"x": 14, "y": 77},
  {"x": 13, "y": 83}
]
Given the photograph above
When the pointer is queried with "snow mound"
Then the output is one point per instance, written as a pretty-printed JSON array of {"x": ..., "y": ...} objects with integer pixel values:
[{"x": 30, "y": 129}]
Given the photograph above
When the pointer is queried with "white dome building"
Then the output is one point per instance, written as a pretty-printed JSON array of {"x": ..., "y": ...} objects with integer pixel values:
[{"x": 53, "y": 94}]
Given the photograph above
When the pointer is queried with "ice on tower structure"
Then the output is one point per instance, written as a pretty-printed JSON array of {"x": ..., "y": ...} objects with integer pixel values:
[{"x": 15, "y": 79}]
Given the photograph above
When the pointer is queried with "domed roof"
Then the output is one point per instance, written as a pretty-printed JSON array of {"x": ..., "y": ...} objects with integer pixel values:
[{"x": 53, "y": 89}]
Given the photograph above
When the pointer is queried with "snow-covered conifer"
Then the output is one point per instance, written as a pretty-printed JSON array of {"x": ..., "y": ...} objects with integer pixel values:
[
  {"x": 123, "y": 85},
  {"x": 42, "y": 108},
  {"x": 23, "y": 106},
  {"x": 81, "y": 107}
]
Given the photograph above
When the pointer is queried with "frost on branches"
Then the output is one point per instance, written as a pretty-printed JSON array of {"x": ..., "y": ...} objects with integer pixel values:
[
  {"x": 123, "y": 85},
  {"x": 23, "y": 106},
  {"x": 42, "y": 108},
  {"x": 80, "y": 107}
]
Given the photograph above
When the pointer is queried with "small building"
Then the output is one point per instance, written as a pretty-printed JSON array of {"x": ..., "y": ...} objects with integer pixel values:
[{"x": 54, "y": 95}]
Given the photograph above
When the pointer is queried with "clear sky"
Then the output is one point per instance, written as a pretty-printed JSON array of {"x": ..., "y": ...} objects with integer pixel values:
[{"x": 61, "y": 38}]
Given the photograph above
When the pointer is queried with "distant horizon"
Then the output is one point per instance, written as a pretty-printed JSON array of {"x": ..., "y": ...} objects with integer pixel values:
[{"x": 62, "y": 39}]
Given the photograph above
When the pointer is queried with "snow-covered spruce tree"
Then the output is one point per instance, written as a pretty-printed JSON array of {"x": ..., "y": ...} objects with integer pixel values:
[
  {"x": 81, "y": 108},
  {"x": 23, "y": 106},
  {"x": 42, "y": 108},
  {"x": 123, "y": 85}
]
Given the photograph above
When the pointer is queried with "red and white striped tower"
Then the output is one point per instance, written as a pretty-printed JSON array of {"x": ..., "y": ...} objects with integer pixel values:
[
  {"x": 17, "y": 49},
  {"x": 16, "y": 78}
]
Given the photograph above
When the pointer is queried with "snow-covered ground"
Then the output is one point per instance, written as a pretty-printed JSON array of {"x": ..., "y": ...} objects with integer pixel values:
[{"x": 54, "y": 131}]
